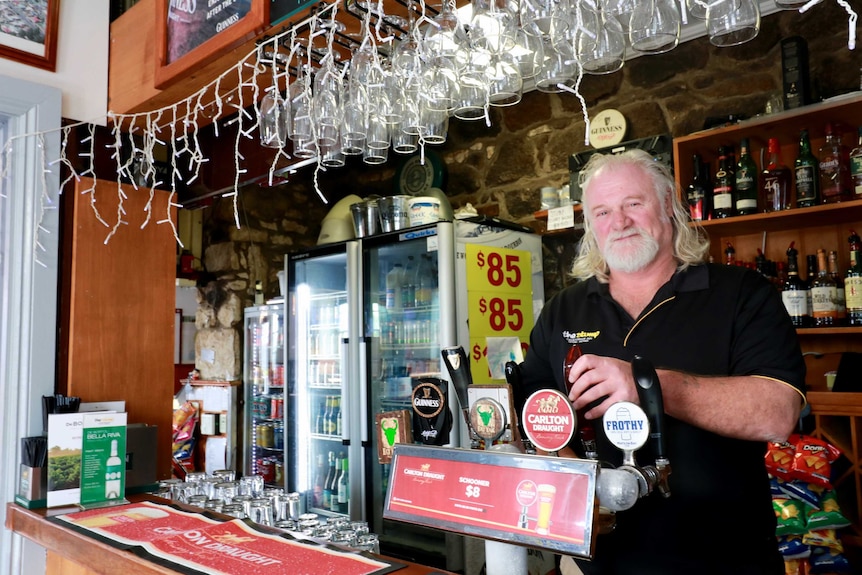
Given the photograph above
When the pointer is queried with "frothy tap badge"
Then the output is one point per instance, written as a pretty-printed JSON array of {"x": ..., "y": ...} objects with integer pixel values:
[
  {"x": 432, "y": 418},
  {"x": 500, "y": 351}
]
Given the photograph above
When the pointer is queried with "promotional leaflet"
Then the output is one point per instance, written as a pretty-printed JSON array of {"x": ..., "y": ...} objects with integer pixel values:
[{"x": 103, "y": 459}]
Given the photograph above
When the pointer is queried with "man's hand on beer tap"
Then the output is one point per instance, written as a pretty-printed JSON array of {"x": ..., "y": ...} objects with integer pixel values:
[{"x": 605, "y": 380}]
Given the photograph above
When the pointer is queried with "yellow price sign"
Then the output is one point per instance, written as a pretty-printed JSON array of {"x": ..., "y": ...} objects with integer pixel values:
[
  {"x": 498, "y": 269},
  {"x": 499, "y": 314}
]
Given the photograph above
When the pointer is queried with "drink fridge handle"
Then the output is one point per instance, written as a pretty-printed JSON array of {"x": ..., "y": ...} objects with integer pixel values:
[
  {"x": 363, "y": 391},
  {"x": 346, "y": 392},
  {"x": 650, "y": 396}
]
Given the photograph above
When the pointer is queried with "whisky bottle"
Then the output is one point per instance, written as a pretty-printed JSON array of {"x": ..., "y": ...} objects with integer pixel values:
[
  {"x": 722, "y": 190},
  {"x": 745, "y": 181},
  {"x": 775, "y": 180},
  {"x": 834, "y": 169},
  {"x": 856, "y": 167},
  {"x": 807, "y": 176},
  {"x": 697, "y": 192},
  {"x": 793, "y": 292},
  {"x": 853, "y": 281},
  {"x": 823, "y": 295},
  {"x": 840, "y": 303}
]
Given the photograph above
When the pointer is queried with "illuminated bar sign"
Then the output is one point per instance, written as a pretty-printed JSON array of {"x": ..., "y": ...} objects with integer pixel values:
[{"x": 529, "y": 500}]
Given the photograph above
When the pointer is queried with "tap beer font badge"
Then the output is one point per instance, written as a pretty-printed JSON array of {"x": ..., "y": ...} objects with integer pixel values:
[
  {"x": 432, "y": 418},
  {"x": 549, "y": 420}
]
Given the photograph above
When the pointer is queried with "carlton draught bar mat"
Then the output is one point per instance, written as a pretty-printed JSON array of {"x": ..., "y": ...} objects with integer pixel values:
[{"x": 196, "y": 544}]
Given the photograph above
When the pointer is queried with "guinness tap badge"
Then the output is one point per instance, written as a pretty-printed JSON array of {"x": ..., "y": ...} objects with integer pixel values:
[
  {"x": 432, "y": 419},
  {"x": 607, "y": 128}
]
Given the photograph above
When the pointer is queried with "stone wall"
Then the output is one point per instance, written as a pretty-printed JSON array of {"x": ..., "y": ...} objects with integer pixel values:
[{"x": 499, "y": 169}]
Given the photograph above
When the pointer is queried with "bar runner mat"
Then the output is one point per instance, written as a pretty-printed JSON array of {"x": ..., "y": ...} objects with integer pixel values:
[{"x": 198, "y": 544}]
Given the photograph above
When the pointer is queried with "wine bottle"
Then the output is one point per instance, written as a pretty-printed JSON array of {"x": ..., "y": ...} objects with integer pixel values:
[
  {"x": 856, "y": 166},
  {"x": 697, "y": 192},
  {"x": 794, "y": 291},
  {"x": 745, "y": 181},
  {"x": 343, "y": 488},
  {"x": 853, "y": 281},
  {"x": 834, "y": 169},
  {"x": 807, "y": 174},
  {"x": 811, "y": 277},
  {"x": 775, "y": 180},
  {"x": 722, "y": 189},
  {"x": 332, "y": 485},
  {"x": 327, "y": 483},
  {"x": 840, "y": 303},
  {"x": 823, "y": 295}
]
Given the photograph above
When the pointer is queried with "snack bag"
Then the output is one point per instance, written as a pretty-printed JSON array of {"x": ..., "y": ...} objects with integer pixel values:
[
  {"x": 792, "y": 547},
  {"x": 779, "y": 459},
  {"x": 813, "y": 459},
  {"x": 823, "y": 560},
  {"x": 791, "y": 515},
  {"x": 810, "y": 493},
  {"x": 827, "y": 515}
]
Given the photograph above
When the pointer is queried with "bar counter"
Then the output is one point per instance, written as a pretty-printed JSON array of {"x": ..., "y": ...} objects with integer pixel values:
[{"x": 72, "y": 553}]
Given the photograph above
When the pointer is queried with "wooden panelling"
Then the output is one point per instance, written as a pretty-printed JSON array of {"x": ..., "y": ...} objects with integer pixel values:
[{"x": 121, "y": 300}]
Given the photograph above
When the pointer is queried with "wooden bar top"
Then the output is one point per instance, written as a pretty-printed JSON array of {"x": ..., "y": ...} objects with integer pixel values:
[{"x": 65, "y": 545}]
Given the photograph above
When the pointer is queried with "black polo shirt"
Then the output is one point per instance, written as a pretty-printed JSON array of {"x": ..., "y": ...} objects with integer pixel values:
[{"x": 709, "y": 320}]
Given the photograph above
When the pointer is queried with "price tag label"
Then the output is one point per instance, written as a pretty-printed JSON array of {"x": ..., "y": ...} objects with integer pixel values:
[
  {"x": 499, "y": 301},
  {"x": 561, "y": 218},
  {"x": 497, "y": 269}
]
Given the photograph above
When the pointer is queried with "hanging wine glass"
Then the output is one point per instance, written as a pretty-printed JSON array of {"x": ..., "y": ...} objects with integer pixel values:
[
  {"x": 444, "y": 35},
  {"x": 697, "y": 8},
  {"x": 621, "y": 9},
  {"x": 274, "y": 119},
  {"x": 732, "y": 22},
  {"x": 604, "y": 52},
  {"x": 505, "y": 86},
  {"x": 557, "y": 69},
  {"x": 654, "y": 26},
  {"x": 492, "y": 27},
  {"x": 528, "y": 53}
]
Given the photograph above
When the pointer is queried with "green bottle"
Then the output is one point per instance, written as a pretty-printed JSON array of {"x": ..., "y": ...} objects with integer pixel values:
[{"x": 807, "y": 176}]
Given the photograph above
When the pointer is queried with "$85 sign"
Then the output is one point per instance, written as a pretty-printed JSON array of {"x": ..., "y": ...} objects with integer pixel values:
[{"x": 499, "y": 299}]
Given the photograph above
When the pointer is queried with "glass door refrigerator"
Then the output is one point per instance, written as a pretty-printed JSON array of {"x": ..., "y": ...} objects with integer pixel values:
[
  {"x": 408, "y": 317},
  {"x": 263, "y": 375},
  {"x": 322, "y": 400}
]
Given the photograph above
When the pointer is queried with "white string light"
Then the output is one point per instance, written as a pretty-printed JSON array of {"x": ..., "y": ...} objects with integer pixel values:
[{"x": 139, "y": 165}]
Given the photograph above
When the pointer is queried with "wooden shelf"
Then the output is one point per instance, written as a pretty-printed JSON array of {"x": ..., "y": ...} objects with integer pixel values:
[{"x": 827, "y": 214}]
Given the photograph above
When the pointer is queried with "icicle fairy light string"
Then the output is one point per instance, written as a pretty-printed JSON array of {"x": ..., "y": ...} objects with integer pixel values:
[{"x": 211, "y": 101}]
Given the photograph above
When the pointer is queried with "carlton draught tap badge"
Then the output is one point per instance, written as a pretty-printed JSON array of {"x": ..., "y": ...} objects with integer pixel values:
[{"x": 432, "y": 419}]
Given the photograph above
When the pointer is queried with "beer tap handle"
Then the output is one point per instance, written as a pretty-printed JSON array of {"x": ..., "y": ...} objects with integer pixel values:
[
  {"x": 649, "y": 394},
  {"x": 458, "y": 365}
]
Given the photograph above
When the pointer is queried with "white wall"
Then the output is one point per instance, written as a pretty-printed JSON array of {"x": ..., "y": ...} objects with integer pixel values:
[{"x": 83, "y": 41}]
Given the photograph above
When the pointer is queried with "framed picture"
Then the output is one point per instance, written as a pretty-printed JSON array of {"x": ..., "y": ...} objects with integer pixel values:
[
  {"x": 28, "y": 32},
  {"x": 190, "y": 35}
]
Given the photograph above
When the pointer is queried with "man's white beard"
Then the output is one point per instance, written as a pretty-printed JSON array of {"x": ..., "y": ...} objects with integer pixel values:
[{"x": 630, "y": 258}]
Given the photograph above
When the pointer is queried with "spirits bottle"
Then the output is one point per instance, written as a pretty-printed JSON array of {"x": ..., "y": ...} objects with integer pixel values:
[
  {"x": 853, "y": 281},
  {"x": 343, "y": 488},
  {"x": 807, "y": 174},
  {"x": 856, "y": 166},
  {"x": 793, "y": 292},
  {"x": 722, "y": 190},
  {"x": 697, "y": 191},
  {"x": 823, "y": 295},
  {"x": 834, "y": 169},
  {"x": 840, "y": 303},
  {"x": 746, "y": 181},
  {"x": 775, "y": 180}
]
